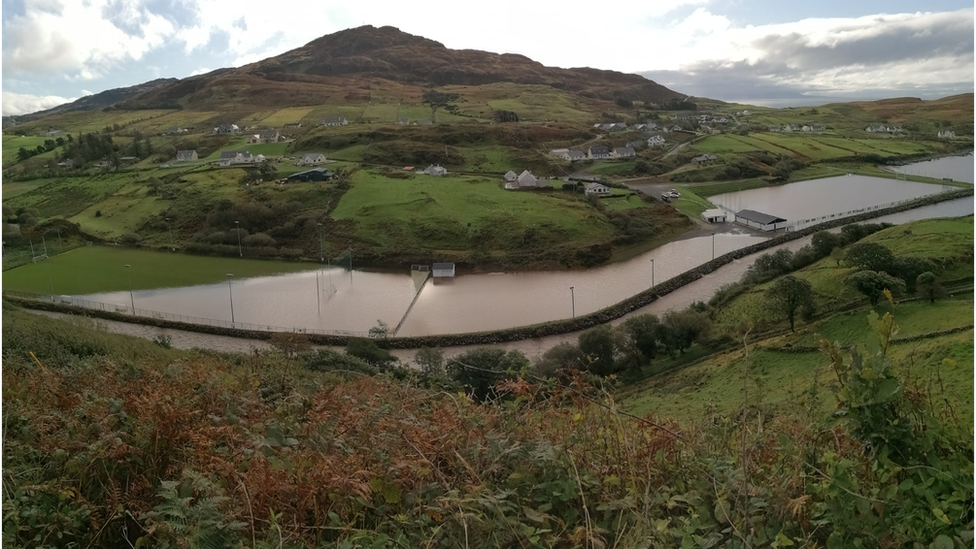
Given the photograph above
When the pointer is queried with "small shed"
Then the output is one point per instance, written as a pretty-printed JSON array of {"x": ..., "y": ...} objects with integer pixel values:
[
  {"x": 714, "y": 215},
  {"x": 759, "y": 220},
  {"x": 443, "y": 270}
]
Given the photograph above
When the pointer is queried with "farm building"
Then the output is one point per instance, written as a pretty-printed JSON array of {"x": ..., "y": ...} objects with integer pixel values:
[
  {"x": 443, "y": 270},
  {"x": 597, "y": 189},
  {"x": 336, "y": 121},
  {"x": 704, "y": 159},
  {"x": 713, "y": 215},
  {"x": 235, "y": 157},
  {"x": 315, "y": 174},
  {"x": 759, "y": 220}
]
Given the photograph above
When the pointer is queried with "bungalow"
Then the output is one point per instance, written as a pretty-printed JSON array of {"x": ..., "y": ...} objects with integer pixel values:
[
  {"x": 596, "y": 188},
  {"x": 713, "y": 215},
  {"x": 255, "y": 138},
  {"x": 315, "y": 174},
  {"x": 655, "y": 141},
  {"x": 676, "y": 128},
  {"x": 435, "y": 170},
  {"x": 186, "y": 156},
  {"x": 269, "y": 136},
  {"x": 618, "y": 127},
  {"x": 947, "y": 134},
  {"x": 759, "y": 220},
  {"x": 311, "y": 159},
  {"x": 598, "y": 151},
  {"x": 226, "y": 129},
  {"x": 640, "y": 127},
  {"x": 575, "y": 155},
  {"x": 129, "y": 159},
  {"x": 704, "y": 159},
  {"x": 510, "y": 177},
  {"x": 560, "y": 153},
  {"x": 335, "y": 121},
  {"x": 228, "y": 158},
  {"x": 623, "y": 152}
]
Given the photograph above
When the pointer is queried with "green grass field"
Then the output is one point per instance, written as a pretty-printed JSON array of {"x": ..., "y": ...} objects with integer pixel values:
[
  {"x": 94, "y": 269},
  {"x": 455, "y": 213},
  {"x": 12, "y": 143}
]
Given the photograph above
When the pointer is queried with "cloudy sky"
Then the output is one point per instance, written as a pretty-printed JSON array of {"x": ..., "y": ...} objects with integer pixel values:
[{"x": 764, "y": 51}]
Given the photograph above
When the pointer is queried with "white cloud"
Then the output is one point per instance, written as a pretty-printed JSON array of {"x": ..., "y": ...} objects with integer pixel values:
[
  {"x": 201, "y": 70},
  {"x": 20, "y": 103}
]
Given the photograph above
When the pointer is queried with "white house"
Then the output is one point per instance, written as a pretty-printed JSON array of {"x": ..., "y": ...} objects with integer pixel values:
[
  {"x": 560, "y": 153},
  {"x": 598, "y": 150},
  {"x": 185, "y": 156},
  {"x": 226, "y": 128},
  {"x": 947, "y": 134},
  {"x": 575, "y": 155},
  {"x": 311, "y": 159},
  {"x": 228, "y": 158},
  {"x": 510, "y": 177},
  {"x": 655, "y": 141},
  {"x": 623, "y": 152},
  {"x": 435, "y": 170},
  {"x": 335, "y": 121},
  {"x": 714, "y": 215},
  {"x": 253, "y": 139},
  {"x": 524, "y": 180},
  {"x": 596, "y": 188},
  {"x": 269, "y": 136}
]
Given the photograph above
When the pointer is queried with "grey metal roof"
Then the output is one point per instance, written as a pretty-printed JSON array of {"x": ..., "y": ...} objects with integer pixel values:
[{"x": 759, "y": 217}]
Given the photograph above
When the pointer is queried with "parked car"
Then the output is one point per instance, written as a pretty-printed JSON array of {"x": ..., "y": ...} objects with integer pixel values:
[{"x": 674, "y": 193}]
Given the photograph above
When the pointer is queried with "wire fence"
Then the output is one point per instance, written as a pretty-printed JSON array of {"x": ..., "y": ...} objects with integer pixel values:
[{"x": 126, "y": 309}]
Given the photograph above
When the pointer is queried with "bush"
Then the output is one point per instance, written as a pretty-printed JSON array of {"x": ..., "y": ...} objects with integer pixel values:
[
  {"x": 259, "y": 239},
  {"x": 370, "y": 352},
  {"x": 131, "y": 239}
]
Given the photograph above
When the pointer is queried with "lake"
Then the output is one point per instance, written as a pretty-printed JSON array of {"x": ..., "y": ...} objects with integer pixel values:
[{"x": 957, "y": 168}]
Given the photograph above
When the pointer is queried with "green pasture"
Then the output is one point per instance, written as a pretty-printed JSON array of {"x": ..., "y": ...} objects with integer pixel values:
[
  {"x": 267, "y": 149},
  {"x": 457, "y": 212},
  {"x": 690, "y": 203},
  {"x": 278, "y": 118},
  {"x": 612, "y": 167},
  {"x": 13, "y": 143},
  {"x": 803, "y": 145},
  {"x": 67, "y": 196},
  {"x": 488, "y": 159},
  {"x": 93, "y": 269},
  {"x": 17, "y": 188},
  {"x": 712, "y": 189},
  {"x": 723, "y": 144},
  {"x": 123, "y": 212}
]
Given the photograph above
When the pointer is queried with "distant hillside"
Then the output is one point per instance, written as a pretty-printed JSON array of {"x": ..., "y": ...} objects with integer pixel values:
[
  {"x": 355, "y": 64},
  {"x": 96, "y": 101}
]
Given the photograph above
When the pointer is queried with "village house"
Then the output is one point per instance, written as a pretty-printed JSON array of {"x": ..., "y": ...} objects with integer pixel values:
[
  {"x": 269, "y": 136},
  {"x": 228, "y": 158},
  {"x": 434, "y": 169},
  {"x": 576, "y": 155},
  {"x": 226, "y": 129},
  {"x": 255, "y": 138},
  {"x": 596, "y": 189},
  {"x": 311, "y": 159},
  {"x": 655, "y": 141},
  {"x": 818, "y": 127},
  {"x": 947, "y": 134},
  {"x": 881, "y": 128},
  {"x": 704, "y": 159},
  {"x": 623, "y": 152},
  {"x": 176, "y": 129},
  {"x": 598, "y": 150},
  {"x": 335, "y": 121},
  {"x": 560, "y": 153},
  {"x": 186, "y": 156},
  {"x": 524, "y": 180}
]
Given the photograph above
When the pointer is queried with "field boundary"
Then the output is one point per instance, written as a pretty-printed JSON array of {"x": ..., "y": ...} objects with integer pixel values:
[{"x": 558, "y": 327}]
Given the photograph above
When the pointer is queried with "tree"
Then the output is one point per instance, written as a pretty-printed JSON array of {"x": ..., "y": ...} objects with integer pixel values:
[
  {"x": 638, "y": 339},
  {"x": 791, "y": 294},
  {"x": 872, "y": 283},
  {"x": 480, "y": 369},
  {"x": 679, "y": 330},
  {"x": 369, "y": 351},
  {"x": 768, "y": 266},
  {"x": 838, "y": 255},
  {"x": 268, "y": 170},
  {"x": 927, "y": 285},
  {"x": 824, "y": 242},
  {"x": 380, "y": 331},
  {"x": 564, "y": 356},
  {"x": 430, "y": 360},
  {"x": 437, "y": 100},
  {"x": 870, "y": 256},
  {"x": 909, "y": 267},
  {"x": 23, "y": 154},
  {"x": 598, "y": 346}
]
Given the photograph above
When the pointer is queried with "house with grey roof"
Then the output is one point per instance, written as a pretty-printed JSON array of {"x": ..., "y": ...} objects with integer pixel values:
[
  {"x": 623, "y": 152},
  {"x": 269, "y": 136},
  {"x": 311, "y": 159},
  {"x": 226, "y": 129},
  {"x": 186, "y": 156},
  {"x": 759, "y": 220},
  {"x": 655, "y": 141},
  {"x": 704, "y": 159},
  {"x": 435, "y": 169},
  {"x": 598, "y": 150},
  {"x": 335, "y": 121},
  {"x": 228, "y": 158},
  {"x": 596, "y": 189},
  {"x": 575, "y": 155}
]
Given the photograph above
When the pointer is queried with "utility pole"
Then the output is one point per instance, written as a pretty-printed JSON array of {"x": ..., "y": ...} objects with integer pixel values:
[
  {"x": 230, "y": 289},
  {"x": 652, "y": 273}
]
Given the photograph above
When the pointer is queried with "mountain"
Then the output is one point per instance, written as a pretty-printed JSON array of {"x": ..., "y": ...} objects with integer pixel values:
[
  {"x": 354, "y": 64},
  {"x": 97, "y": 101}
]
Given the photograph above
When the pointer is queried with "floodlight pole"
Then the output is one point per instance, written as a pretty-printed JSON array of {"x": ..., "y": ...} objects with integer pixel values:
[
  {"x": 652, "y": 273},
  {"x": 572, "y": 295},
  {"x": 713, "y": 245},
  {"x": 132, "y": 299},
  {"x": 240, "y": 250},
  {"x": 230, "y": 289}
]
